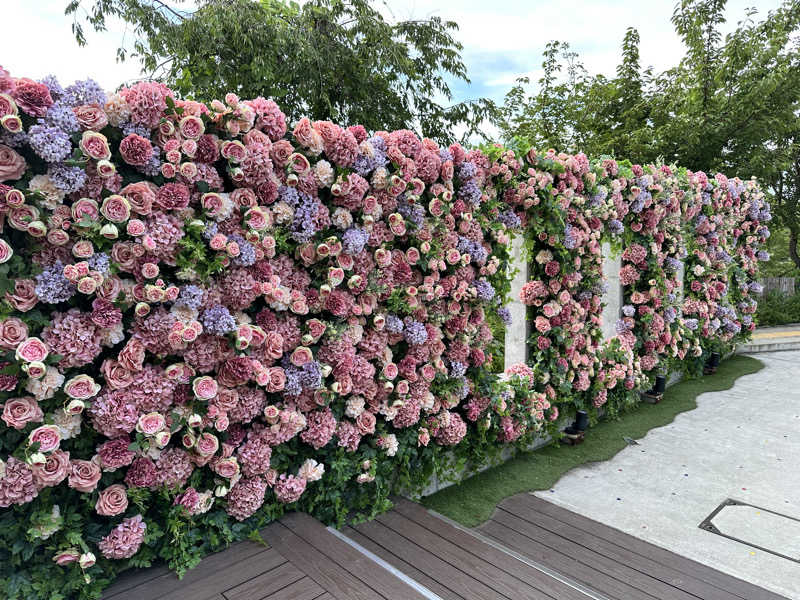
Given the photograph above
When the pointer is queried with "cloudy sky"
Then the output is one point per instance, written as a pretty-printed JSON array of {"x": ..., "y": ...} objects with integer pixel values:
[{"x": 502, "y": 40}]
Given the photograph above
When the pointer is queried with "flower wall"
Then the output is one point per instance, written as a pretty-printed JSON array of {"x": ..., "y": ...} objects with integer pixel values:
[{"x": 211, "y": 315}]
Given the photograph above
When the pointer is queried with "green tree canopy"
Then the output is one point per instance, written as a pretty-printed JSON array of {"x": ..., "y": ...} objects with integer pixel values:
[{"x": 326, "y": 59}]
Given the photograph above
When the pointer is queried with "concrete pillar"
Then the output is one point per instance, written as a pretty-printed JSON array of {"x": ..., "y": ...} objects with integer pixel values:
[
  {"x": 516, "y": 350},
  {"x": 613, "y": 297}
]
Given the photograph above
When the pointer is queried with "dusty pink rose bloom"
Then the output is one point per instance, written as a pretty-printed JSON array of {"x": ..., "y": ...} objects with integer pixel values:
[
  {"x": 32, "y": 97},
  {"x": 91, "y": 116},
  {"x": 12, "y": 333},
  {"x": 23, "y": 298},
  {"x": 84, "y": 475},
  {"x": 12, "y": 165},
  {"x": 18, "y": 412},
  {"x": 136, "y": 150},
  {"x": 54, "y": 470},
  {"x": 112, "y": 501}
]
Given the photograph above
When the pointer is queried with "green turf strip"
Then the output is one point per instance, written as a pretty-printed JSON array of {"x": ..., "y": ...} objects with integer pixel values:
[{"x": 473, "y": 501}]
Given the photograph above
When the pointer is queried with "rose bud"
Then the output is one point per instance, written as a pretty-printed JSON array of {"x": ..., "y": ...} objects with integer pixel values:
[
  {"x": 142, "y": 309},
  {"x": 87, "y": 560},
  {"x": 292, "y": 180},
  {"x": 162, "y": 438},
  {"x": 75, "y": 407},
  {"x": 66, "y": 557},
  {"x": 106, "y": 169},
  {"x": 37, "y": 229},
  {"x": 194, "y": 420},
  {"x": 168, "y": 170},
  {"x": 15, "y": 198},
  {"x": 326, "y": 370},
  {"x": 11, "y": 123},
  {"x": 188, "y": 440},
  {"x": 37, "y": 458},
  {"x": 335, "y": 276},
  {"x": 388, "y": 386},
  {"x": 35, "y": 370},
  {"x": 150, "y": 270},
  {"x": 220, "y": 491}
]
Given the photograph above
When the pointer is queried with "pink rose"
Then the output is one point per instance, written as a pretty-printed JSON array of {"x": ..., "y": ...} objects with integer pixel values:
[
  {"x": 276, "y": 379},
  {"x": 18, "y": 412},
  {"x": 140, "y": 196},
  {"x": 95, "y": 145},
  {"x": 191, "y": 127},
  {"x": 205, "y": 388},
  {"x": 81, "y": 387},
  {"x": 151, "y": 423},
  {"x": 12, "y": 333},
  {"x": 84, "y": 475},
  {"x": 47, "y": 436},
  {"x": 12, "y": 165},
  {"x": 6, "y": 251},
  {"x": 207, "y": 444},
  {"x": 226, "y": 467},
  {"x": 23, "y": 298},
  {"x": 91, "y": 116},
  {"x": 366, "y": 422},
  {"x": 112, "y": 501},
  {"x": 32, "y": 349},
  {"x": 301, "y": 356},
  {"x": 66, "y": 557},
  {"x": 132, "y": 355},
  {"x": 233, "y": 151},
  {"x": 172, "y": 196},
  {"x": 390, "y": 371},
  {"x": 85, "y": 208}
]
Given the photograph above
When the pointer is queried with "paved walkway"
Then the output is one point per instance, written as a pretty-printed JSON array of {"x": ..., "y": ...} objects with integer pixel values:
[
  {"x": 742, "y": 444},
  {"x": 771, "y": 339}
]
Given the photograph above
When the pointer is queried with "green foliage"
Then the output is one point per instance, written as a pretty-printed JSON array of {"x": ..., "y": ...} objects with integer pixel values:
[
  {"x": 325, "y": 59},
  {"x": 775, "y": 308}
]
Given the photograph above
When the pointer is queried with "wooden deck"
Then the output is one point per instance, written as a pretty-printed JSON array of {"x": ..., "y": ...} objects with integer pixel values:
[
  {"x": 615, "y": 564},
  {"x": 529, "y": 550}
]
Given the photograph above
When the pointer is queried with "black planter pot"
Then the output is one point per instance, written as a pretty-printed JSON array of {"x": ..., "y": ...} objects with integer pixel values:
[
  {"x": 660, "y": 385},
  {"x": 581, "y": 421},
  {"x": 713, "y": 360}
]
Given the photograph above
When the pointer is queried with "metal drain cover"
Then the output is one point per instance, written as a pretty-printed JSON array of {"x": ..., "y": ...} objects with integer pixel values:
[{"x": 757, "y": 527}]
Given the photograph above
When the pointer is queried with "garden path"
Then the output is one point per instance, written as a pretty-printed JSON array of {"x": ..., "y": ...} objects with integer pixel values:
[
  {"x": 743, "y": 445},
  {"x": 771, "y": 339}
]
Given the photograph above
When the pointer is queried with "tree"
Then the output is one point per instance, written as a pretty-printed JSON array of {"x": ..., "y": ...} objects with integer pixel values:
[{"x": 327, "y": 59}]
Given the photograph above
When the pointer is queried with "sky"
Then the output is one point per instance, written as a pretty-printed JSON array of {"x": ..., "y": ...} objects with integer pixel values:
[{"x": 502, "y": 40}]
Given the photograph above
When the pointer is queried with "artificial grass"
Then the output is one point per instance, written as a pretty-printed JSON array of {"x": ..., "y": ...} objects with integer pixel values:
[{"x": 472, "y": 501}]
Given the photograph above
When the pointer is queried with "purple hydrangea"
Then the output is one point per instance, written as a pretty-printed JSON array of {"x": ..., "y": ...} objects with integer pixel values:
[
  {"x": 762, "y": 255},
  {"x": 457, "y": 369},
  {"x": 510, "y": 219},
  {"x": 670, "y": 314},
  {"x": 65, "y": 178},
  {"x": 101, "y": 262},
  {"x": 211, "y": 230},
  {"x": 570, "y": 239},
  {"x": 135, "y": 128},
  {"x": 628, "y": 310},
  {"x": 152, "y": 168},
  {"x": 615, "y": 226},
  {"x": 484, "y": 290},
  {"x": 61, "y": 116},
  {"x": 354, "y": 240},
  {"x": 691, "y": 324},
  {"x": 467, "y": 170},
  {"x": 51, "y": 81},
  {"x": 393, "y": 324},
  {"x": 470, "y": 192},
  {"x": 84, "y": 92},
  {"x": 445, "y": 155},
  {"x": 415, "y": 332},
  {"x": 218, "y": 320},
  {"x": 14, "y": 140},
  {"x": 411, "y": 211},
  {"x": 51, "y": 143},
  {"x": 475, "y": 250},
  {"x": 672, "y": 264},
  {"x": 620, "y": 326},
  {"x": 505, "y": 316},
  {"x": 247, "y": 253},
  {"x": 192, "y": 296},
  {"x": 51, "y": 285}
]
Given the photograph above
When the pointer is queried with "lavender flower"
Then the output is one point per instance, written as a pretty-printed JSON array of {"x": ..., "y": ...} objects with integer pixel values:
[
  {"x": 84, "y": 92},
  {"x": 129, "y": 128},
  {"x": 65, "y": 178},
  {"x": 191, "y": 296},
  {"x": 505, "y": 315},
  {"x": 100, "y": 262},
  {"x": 354, "y": 240},
  {"x": 217, "y": 320},
  {"x": 470, "y": 192},
  {"x": 51, "y": 143},
  {"x": 672, "y": 264},
  {"x": 457, "y": 369},
  {"x": 415, "y": 332},
  {"x": 510, "y": 219},
  {"x": 691, "y": 324},
  {"x": 615, "y": 226},
  {"x": 212, "y": 228},
  {"x": 484, "y": 290},
  {"x": 467, "y": 170},
  {"x": 247, "y": 253},
  {"x": 628, "y": 310},
  {"x": 51, "y": 285},
  {"x": 62, "y": 117},
  {"x": 393, "y": 324}
]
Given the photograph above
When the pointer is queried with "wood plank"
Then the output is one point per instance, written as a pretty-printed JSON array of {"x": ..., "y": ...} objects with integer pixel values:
[
  {"x": 486, "y": 552},
  {"x": 303, "y": 589},
  {"x": 400, "y": 564},
  {"x": 618, "y": 590},
  {"x": 729, "y": 583},
  {"x": 325, "y": 596},
  {"x": 266, "y": 583},
  {"x": 519, "y": 507},
  {"x": 348, "y": 558},
  {"x": 200, "y": 582},
  {"x": 501, "y": 581},
  {"x": 622, "y": 572},
  {"x": 132, "y": 578},
  {"x": 424, "y": 559},
  {"x": 168, "y": 582},
  {"x": 329, "y": 575}
]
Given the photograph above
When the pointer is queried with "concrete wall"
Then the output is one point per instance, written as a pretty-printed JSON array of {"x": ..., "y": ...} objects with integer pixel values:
[
  {"x": 516, "y": 347},
  {"x": 613, "y": 296}
]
